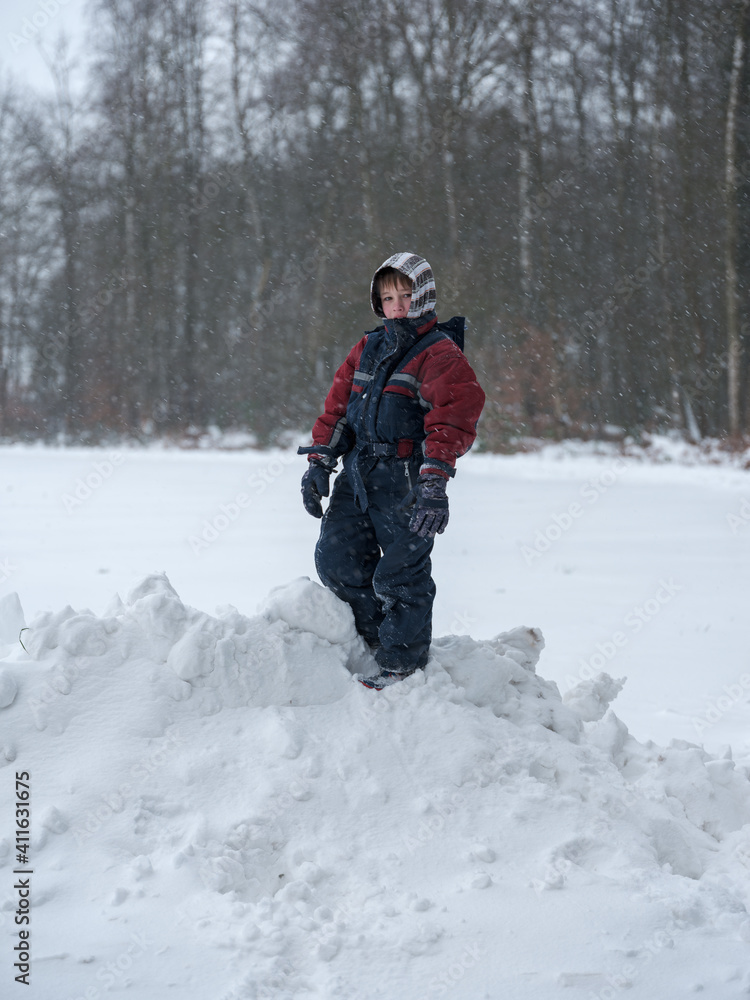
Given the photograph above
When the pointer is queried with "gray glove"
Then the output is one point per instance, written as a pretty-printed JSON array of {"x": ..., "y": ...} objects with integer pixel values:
[
  {"x": 315, "y": 484},
  {"x": 430, "y": 514}
]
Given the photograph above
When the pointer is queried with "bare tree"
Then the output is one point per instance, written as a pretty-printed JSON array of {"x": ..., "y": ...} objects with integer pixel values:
[
  {"x": 730, "y": 200},
  {"x": 199, "y": 228}
]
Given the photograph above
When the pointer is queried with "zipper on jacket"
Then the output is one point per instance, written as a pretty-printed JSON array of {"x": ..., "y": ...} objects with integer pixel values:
[
  {"x": 407, "y": 473},
  {"x": 370, "y": 417}
]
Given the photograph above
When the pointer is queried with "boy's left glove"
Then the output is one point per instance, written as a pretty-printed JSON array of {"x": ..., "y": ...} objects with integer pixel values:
[
  {"x": 314, "y": 486},
  {"x": 430, "y": 514}
]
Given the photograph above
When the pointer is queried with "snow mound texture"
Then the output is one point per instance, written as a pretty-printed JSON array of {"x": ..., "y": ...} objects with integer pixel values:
[{"x": 219, "y": 808}]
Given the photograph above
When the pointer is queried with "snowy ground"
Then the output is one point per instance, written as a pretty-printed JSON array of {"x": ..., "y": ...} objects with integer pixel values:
[{"x": 219, "y": 812}]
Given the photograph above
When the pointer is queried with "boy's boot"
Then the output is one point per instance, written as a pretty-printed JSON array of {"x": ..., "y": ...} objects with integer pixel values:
[{"x": 385, "y": 678}]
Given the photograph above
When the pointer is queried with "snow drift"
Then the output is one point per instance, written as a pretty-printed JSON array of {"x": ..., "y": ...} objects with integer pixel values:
[{"x": 220, "y": 810}]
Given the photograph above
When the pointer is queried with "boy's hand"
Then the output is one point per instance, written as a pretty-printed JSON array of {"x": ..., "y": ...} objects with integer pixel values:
[
  {"x": 314, "y": 486},
  {"x": 430, "y": 514}
]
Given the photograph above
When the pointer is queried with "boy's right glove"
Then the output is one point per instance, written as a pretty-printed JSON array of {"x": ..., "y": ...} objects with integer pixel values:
[
  {"x": 430, "y": 514},
  {"x": 314, "y": 486}
]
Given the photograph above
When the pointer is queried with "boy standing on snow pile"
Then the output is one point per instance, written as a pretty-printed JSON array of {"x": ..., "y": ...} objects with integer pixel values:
[{"x": 402, "y": 408}]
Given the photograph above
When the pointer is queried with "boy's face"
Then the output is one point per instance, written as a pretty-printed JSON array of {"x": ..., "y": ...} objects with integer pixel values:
[{"x": 396, "y": 301}]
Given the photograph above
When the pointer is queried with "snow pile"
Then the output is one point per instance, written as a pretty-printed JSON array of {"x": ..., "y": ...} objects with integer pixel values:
[{"x": 218, "y": 807}]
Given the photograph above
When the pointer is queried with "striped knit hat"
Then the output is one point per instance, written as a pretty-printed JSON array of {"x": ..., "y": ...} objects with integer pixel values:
[{"x": 419, "y": 272}]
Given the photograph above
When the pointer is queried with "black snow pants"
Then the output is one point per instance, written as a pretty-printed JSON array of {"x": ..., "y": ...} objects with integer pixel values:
[{"x": 378, "y": 566}]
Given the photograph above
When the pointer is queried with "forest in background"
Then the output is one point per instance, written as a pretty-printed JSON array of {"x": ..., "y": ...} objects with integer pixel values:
[{"x": 189, "y": 243}]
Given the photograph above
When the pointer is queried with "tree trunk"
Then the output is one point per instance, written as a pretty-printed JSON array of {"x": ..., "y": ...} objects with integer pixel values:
[
  {"x": 524, "y": 167},
  {"x": 730, "y": 246}
]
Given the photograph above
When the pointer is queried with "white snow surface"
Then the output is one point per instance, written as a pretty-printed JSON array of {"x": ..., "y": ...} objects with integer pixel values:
[{"x": 221, "y": 812}]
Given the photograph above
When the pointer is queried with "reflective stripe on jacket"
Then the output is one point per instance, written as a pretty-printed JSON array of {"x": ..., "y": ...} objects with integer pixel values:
[{"x": 405, "y": 382}]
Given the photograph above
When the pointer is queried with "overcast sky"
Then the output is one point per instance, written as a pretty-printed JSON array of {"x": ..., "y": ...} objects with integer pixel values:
[{"x": 24, "y": 24}]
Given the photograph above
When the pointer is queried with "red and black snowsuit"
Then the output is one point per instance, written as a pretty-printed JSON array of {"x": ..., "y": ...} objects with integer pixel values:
[{"x": 404, "y": 402}]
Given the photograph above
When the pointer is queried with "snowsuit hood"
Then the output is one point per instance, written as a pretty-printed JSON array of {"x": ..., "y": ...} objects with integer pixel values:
[{"x": 419, "y": 272}]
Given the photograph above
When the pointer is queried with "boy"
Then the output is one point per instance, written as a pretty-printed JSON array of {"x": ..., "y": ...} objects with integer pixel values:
[{"x": 403, "y": 407}]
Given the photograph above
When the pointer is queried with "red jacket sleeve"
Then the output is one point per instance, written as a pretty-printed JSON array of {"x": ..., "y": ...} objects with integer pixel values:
[
  {"x": 331, "y": 429},
  {"x": 455, "y": 399}
]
